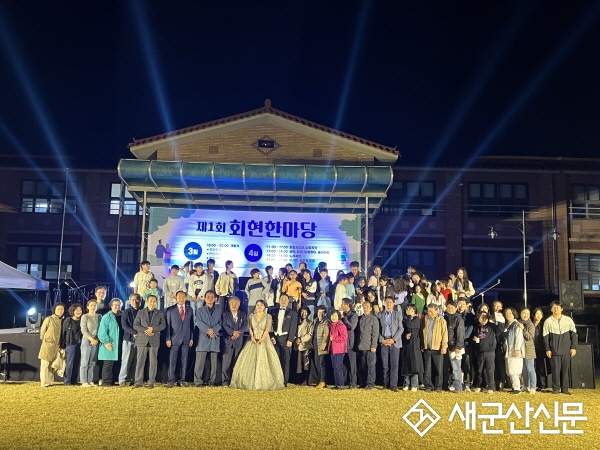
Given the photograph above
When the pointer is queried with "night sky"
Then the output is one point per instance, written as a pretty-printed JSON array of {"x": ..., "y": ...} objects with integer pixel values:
[{"x": 442, "y": 81}]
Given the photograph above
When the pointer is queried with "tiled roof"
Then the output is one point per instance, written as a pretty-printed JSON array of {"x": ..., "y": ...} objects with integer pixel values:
[{"x": 267, "y": 109}]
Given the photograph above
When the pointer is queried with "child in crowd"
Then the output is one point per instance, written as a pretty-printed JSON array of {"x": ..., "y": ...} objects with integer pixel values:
[
  {"x": 153, "y": 290},
  {"x": 324, "y": 289},
  {"x": 293, "y": 288},
  {"x": 308, "y": 293},
  {"x": 350, "y": 290}
]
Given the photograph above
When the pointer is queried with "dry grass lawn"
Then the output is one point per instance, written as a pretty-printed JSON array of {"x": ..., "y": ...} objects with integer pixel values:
[{"x": 304, "y": 418}]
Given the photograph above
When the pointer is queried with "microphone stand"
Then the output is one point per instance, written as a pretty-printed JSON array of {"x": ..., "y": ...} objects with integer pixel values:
[
  {"x": 481, "y": 294},
  {"x": 77, "y": 288}
]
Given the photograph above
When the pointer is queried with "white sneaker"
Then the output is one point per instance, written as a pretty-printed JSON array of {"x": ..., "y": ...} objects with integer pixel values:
[
  {"x": 405, "y": 388},
  {"x": 490, "y": 392},
  {"x": 86, "y": 385},
  {"x": 414, "y": 389},
  {"x": 99, "y": 383},
  {"x": 451, "y": 388},
  {"x": 477, "y": 389},
  {"x": 468, "y": 388},
  {"x": 92, "y": 384},
  {"x": 532, "y": 391}
]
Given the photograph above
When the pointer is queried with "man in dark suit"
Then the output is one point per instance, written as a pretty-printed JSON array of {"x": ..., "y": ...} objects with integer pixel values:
[
  {"x": 285, "y": 324},
  {"x": 148, "y": 324},
  {"x": 350, "y": 319},
  {"x": 208, "y": 322},
  {"x": 390, "y": 339},
  {"x": 233, "y": 325},
  {"x": 180, "y": 337}
]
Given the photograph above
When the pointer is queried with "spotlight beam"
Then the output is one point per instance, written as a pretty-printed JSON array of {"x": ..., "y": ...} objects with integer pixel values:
[
  {"x": 487, "y": 67},
  {"x": 156, "y": 77},
  {"x": 28, "y": 85},
  {"x": 587, "y": 19}
]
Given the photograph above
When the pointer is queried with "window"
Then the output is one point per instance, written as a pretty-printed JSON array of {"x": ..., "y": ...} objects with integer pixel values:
[
  {"x": 587, "y": 270},
  {"x": 487, "y": 266},
  {"x": 586, "y": 201},
  {"x": 47, "y": 196},
  {"x": 42, "y": 262},
  {"x": 410, "y": 198},
  {"x": 128, "y": 263},
  {"x": 130, "y": 206},
  {"x": 497, "y": 199},
  {"x": 395, "y": 263}
]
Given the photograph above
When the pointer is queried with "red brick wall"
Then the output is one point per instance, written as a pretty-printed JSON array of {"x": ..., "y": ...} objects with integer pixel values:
[{"x": 236, "y": 146}]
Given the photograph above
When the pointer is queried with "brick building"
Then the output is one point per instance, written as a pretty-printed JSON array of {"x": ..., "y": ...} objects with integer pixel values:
[{"x": 437, "y": 218}]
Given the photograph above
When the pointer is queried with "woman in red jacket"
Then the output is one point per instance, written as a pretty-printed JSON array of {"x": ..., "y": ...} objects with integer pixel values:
[{"x": 338, "y": 342}]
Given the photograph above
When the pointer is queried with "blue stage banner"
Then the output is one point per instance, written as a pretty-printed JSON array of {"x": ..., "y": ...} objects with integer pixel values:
[{"x": 253, "y": 239}]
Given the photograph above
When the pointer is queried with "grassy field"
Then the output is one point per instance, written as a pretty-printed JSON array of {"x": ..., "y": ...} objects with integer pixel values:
[{"x": 60, "y": 417}]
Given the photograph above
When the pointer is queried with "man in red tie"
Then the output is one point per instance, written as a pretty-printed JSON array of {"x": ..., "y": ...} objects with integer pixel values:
[{"x": 179, "y": 335}]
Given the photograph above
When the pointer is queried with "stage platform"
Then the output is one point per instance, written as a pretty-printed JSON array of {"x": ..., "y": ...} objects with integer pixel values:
[{"x": 22, "y": 362}]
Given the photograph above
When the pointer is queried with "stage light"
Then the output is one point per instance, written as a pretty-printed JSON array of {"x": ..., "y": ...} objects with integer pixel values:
[
  {"x": 493, "y": 234},
  {"x": 132, "y": 284},
  {"x": 554, "y": 234},
  {"x": 33, "y": 321}
]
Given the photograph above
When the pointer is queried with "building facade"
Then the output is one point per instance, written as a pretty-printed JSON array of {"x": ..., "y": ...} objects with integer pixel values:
[{"x": 436, "y": 218}]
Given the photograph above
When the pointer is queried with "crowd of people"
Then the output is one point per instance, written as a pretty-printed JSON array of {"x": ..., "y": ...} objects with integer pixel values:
[{"x": 303, "y": 327}]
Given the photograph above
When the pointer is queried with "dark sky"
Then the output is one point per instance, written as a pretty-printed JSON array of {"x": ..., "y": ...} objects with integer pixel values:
[{"x": 440, "y": 80}]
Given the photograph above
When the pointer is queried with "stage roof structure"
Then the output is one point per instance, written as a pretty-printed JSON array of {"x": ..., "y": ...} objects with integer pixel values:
[
  {"x": 257, "y": 187},
  {"x": 11, "y": 278}
]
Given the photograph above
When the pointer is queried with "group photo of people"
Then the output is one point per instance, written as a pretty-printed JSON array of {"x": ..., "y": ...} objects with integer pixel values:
[{"x": 306, "y": 327}]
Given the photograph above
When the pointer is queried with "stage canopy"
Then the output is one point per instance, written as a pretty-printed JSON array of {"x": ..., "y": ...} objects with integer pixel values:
[
  {"x": 11, "y": 278},
  {"x": 257, "y": 187}
]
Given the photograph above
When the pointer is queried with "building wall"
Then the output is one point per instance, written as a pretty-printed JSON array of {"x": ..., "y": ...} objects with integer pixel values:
[
  {"x": 451, "y": 233},
  {"x": 88, "y": 232},
  {"x": 237, "y": 146}
]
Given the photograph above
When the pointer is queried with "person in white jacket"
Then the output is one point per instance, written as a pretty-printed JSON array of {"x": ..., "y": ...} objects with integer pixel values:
[
  {"x": 515, "y": 349},
  {"x": 226, "y": 285}
]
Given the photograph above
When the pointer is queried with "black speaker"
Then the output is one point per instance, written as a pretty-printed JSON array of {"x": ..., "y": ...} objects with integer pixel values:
[
  {"x": 582, "y": 368},
  {"x": 571, "y": 295}
]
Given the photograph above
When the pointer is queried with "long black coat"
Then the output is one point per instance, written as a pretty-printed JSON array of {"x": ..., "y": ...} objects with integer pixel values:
[{"x": 412, "y": 358}]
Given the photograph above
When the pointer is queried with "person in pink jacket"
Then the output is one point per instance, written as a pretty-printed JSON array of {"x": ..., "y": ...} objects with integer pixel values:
[{"x": 338, "y": 340}]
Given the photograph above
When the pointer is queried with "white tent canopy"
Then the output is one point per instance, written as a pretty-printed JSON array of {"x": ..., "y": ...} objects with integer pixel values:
[{"x": 11, "y": 278}]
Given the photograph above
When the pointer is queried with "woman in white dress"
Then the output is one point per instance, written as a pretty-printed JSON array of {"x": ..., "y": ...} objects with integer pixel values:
[{"x": 258, "y": 367}]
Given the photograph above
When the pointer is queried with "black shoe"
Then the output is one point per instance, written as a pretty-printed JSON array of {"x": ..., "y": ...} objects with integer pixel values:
[
  {"x": 150, "y": 385},
  {"x": 566, "y": 393},
  {"x": 394, "y": 389},
  {"x": 225, "y": 384},
  {"x": 438, "y": 391},
  {"x": 369, "y": 388},
  {"x": 515, "y": 392},
  {"x": 183, "y": 384},
  {"x": 556, "y": 392},
  {"x": 135, "y": 386},
  {"x": 340, "y": 388},
  {"x": 170, "y": 385},
  {"x": 351, "y": 387},
  {"x": 428, "y": 390},
  {"x": 199, "y": 385}
]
